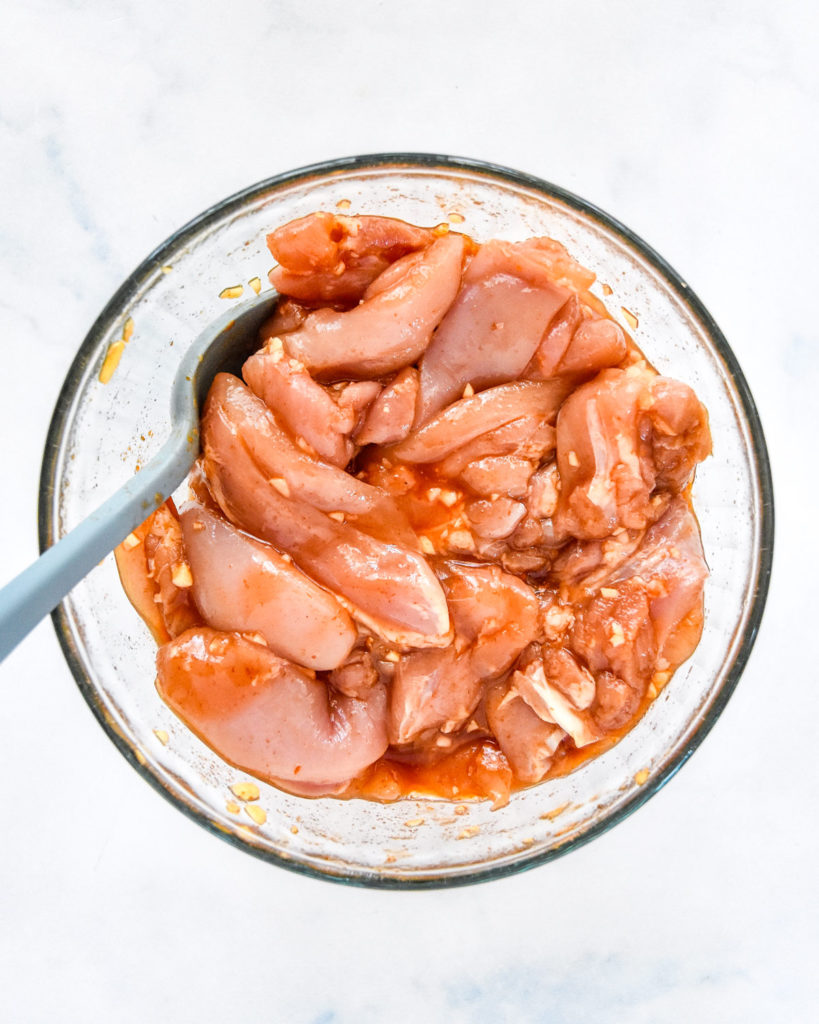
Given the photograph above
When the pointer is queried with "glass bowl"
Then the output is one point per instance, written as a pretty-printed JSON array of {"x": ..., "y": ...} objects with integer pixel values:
[{"x": 101, "y": 432}]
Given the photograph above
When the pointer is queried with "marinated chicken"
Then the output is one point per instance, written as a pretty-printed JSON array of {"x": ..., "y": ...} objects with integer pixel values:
[{"x": 439, "y": 539}]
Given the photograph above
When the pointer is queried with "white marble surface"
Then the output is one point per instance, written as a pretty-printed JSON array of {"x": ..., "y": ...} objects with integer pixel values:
[{"x": 696, "y": 124}]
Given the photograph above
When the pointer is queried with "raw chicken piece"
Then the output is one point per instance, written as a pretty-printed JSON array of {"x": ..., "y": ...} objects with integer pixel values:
[
  {"x": 326, "y": 259},
  {"x": 495, "y": 617},
  {"x": 496, "y": 519},
  {"x": 614, "y": 633},
  {"x": 528, "y": 743},
  {"x": 388, "y": 587},
  {"x": 168, "y": 567},
  {"x": 647, "y": 616},
  {"x": 530, "y": 437},
  {"x": 302, "y": 406},
  {"x": 671, "y": 561},
  {"x": 265, "y": 715},
  {"x": 493, "y": 611},
  {"x": 542, "y": 261},
  {"x": 139, "y": 587},
  {"x": 577, "y": 344},
  {"x": 596, "y": 344},
  {"x": 433, "y": 689},
  {"x": 498, "y": 474},
  {"x": 618, "y": 437},
  {"x": 585, "y": 565},
  {"x": 649, "y": 612},
  {"x": 469, "y": 418},
  {"x": 604, "y": 460},
  {"x": 356, "y": 397},
  {"x": 543, "y": 491},
  {"x": 287, "y": 316},
  {"x": 573, "y": 680},
  {"x": 491, "y": 331},
  {"x": 615, "y": 702},
  {"x": 388, "y": 331},
  {"x": 240, "y": 583},
  {"x": 680, "y": 436},
  {"x": 357, "y": 676},
  {"x": 390, "y": 416},
  {"x": 298, "y": 475},
  {"x": 549, "y": 703}
]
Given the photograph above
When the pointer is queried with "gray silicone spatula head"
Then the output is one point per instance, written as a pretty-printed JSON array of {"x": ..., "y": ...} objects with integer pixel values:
[{"x": 223, "y": 346}]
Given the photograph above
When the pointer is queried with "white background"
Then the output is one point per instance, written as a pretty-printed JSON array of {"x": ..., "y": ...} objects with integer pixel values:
[{"x": 696, "y": 124}]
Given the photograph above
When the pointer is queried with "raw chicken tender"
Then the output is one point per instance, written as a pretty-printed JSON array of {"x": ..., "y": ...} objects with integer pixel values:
[
  {"x": 240, "y": 583},
  {"x": 326, "y": 259},
  {"x": 267, "y": 716},
  {"x": 386, "y": 331}
]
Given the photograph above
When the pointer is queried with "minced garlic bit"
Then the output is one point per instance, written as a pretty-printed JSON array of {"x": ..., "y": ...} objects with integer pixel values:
[
  {"x": 281, "y": 485},
  {"x": 162, "y": 736},
  {"x": 181, "y": 575},
  {"x": 641, "y": 776},
  {"x": 294, "y": 829},
  {"x": 414, "y": 822},
  {"x": 256, "y": 284},
  {"x": 338, "y": 516},
  {"x": 198, "y": 526},
  {"x": 434, "y": 493},
  {"x": 455, "y": 218},
  {"x": 659, "y": 679},
  {"x": 131, "y": 541},
  {"x": 246, "y": 791},
  {"x": 617, "y": 636},
  {"x": 235, "y": 291},
  {"x": 128, "y": 329},
  {"x": 166, "y": 269},
  {"x": 608, "y": 592},
  {"x": 461, "y": 809},
  {"x": 607, "y": 289},
  {"x": 461, "y": 540},
  {"x": 258, "y": 814},
  {"x": 219, "y": 644},
  {"x": 111, "y": 361},
  {"x": 469, "y": 832},
  {"x": 572, "y": 459},
  {"x": 305, "y": 446},
  {"x": 392, "y": 656},
  {"x": 343, "y": 204},
  {"x": 232, "y": 808},
  {"x": 631, "y": 319},
  {"x": 469, "y": 391},
  {"x": 448, "y": 498},
  {"x": 426, "y": 545}
]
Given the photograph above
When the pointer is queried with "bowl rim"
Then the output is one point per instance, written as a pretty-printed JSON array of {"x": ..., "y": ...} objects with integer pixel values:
[{"x": 428, "y": 161}]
